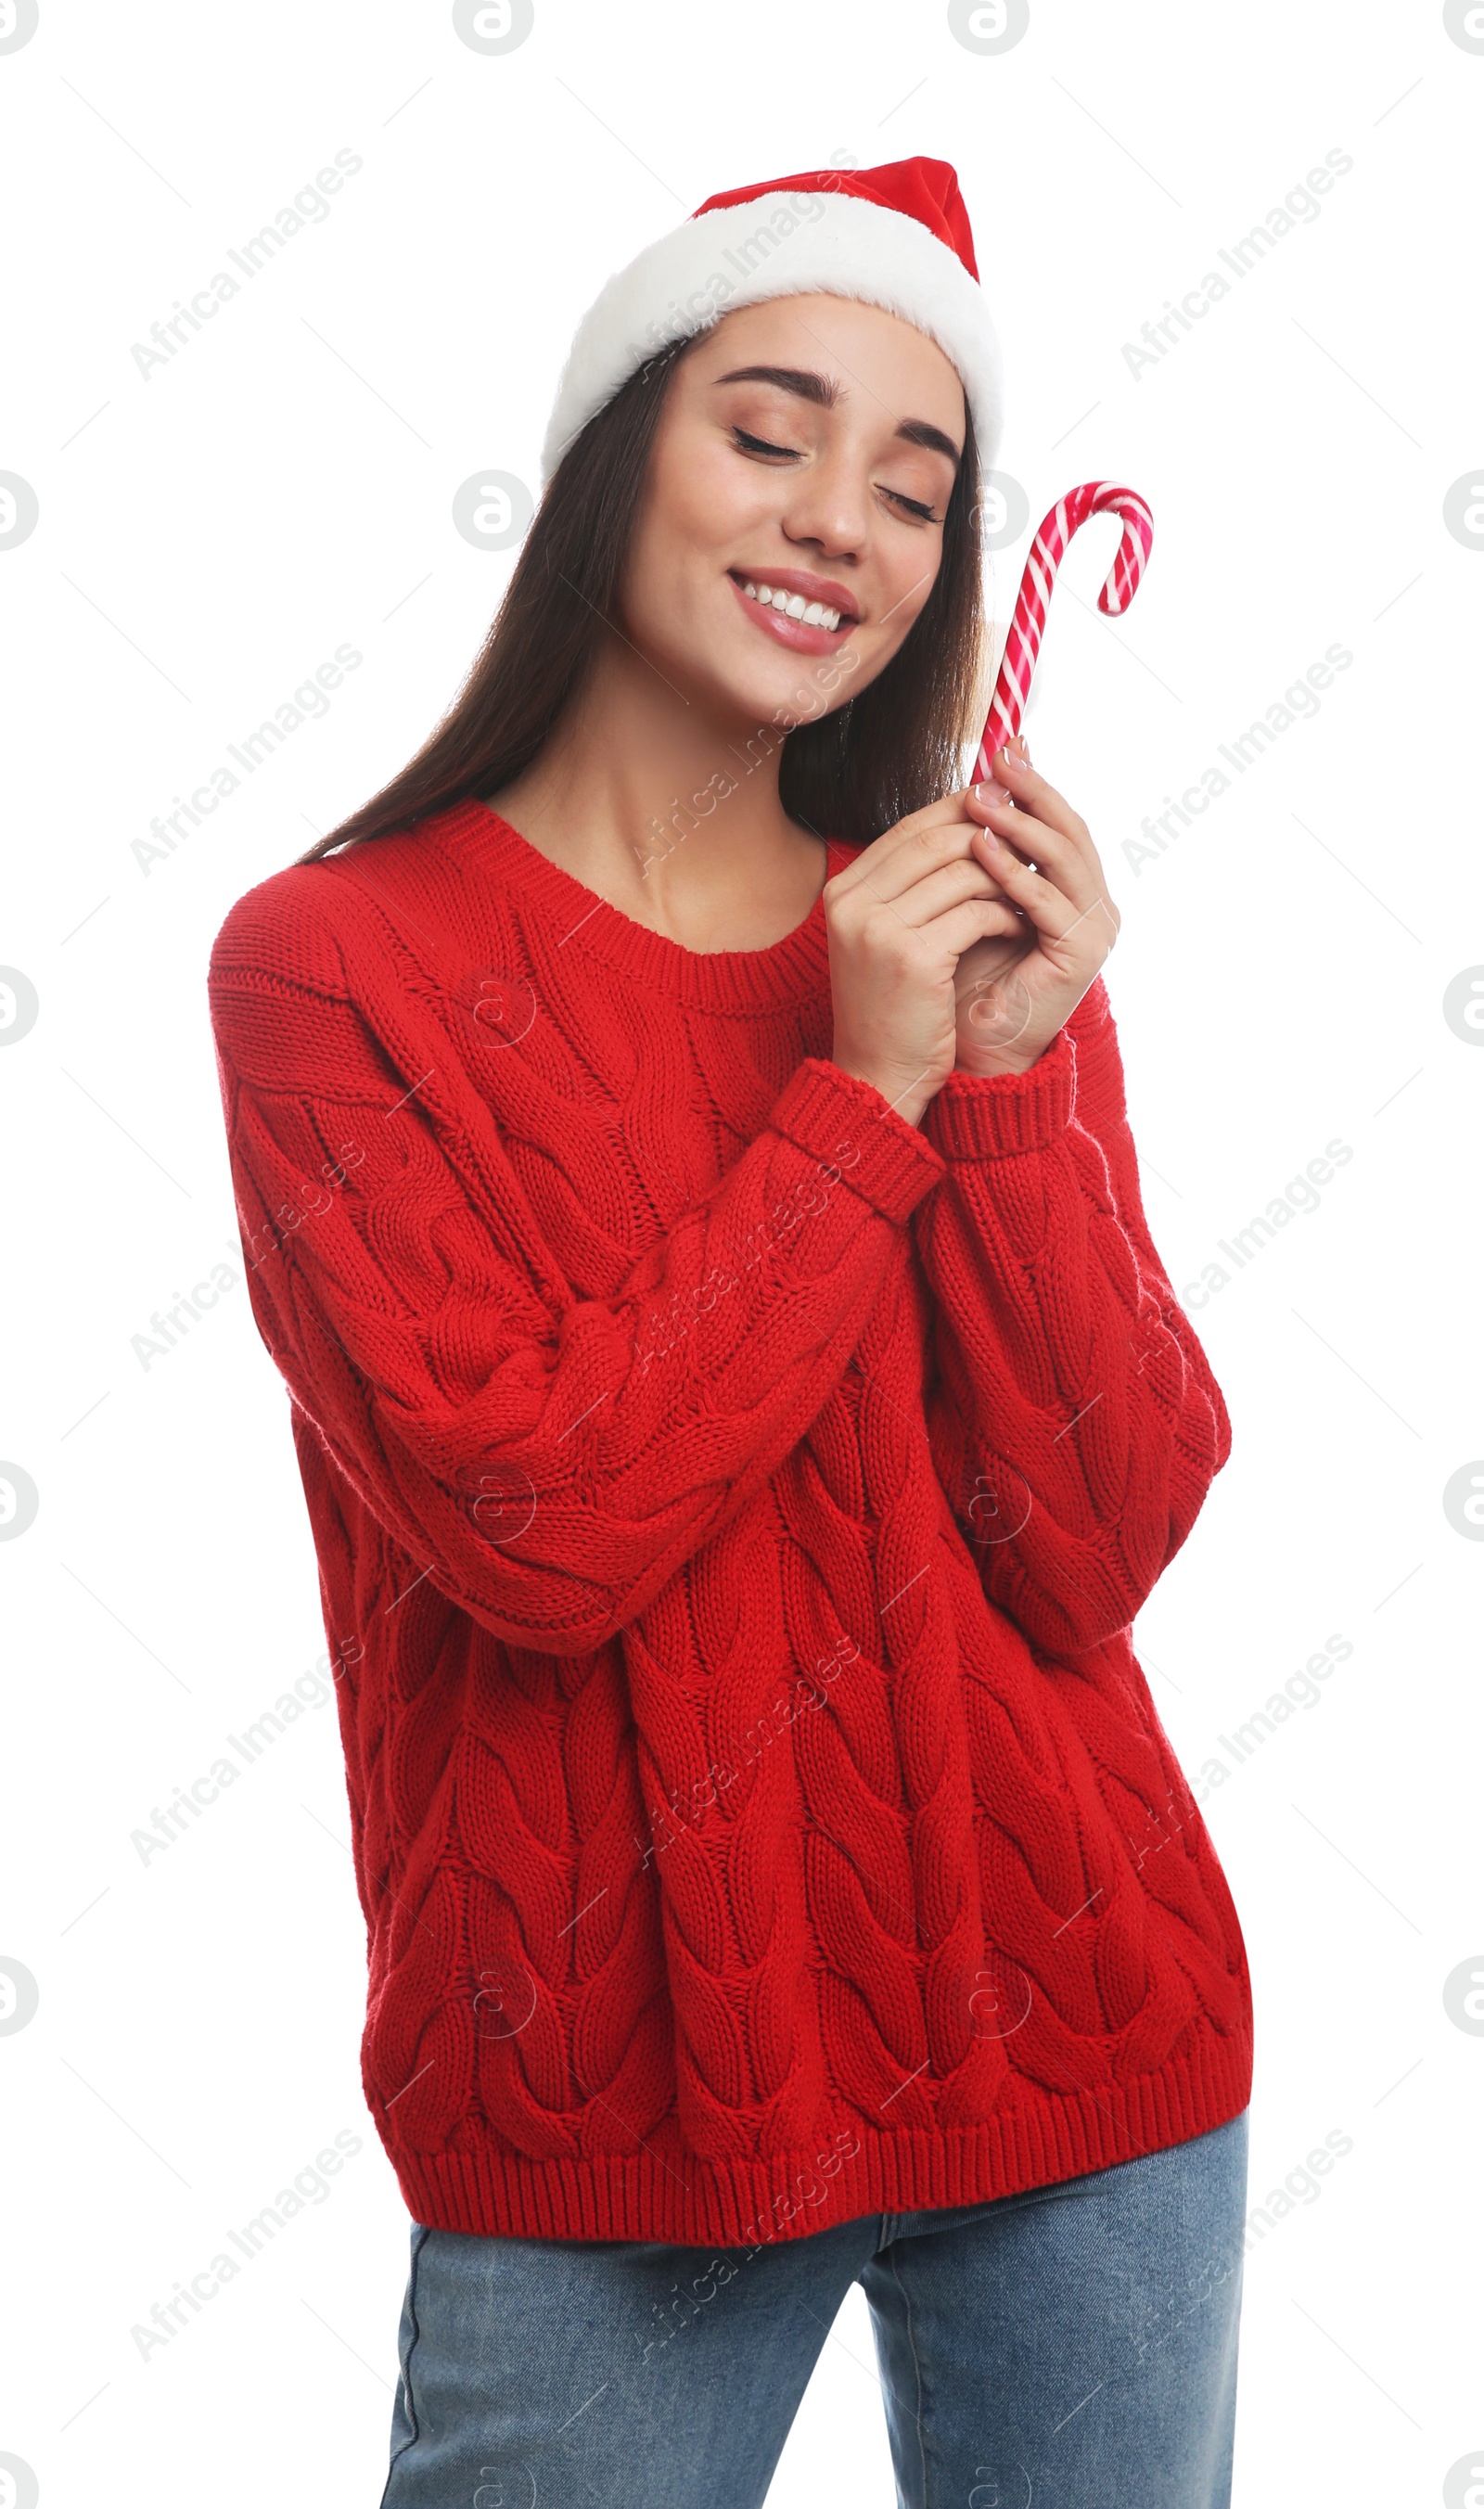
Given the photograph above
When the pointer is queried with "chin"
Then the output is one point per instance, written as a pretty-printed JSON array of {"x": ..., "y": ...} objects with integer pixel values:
[
  {"x": 721, "y": 683},
  {"x": 803, "y": 687}
]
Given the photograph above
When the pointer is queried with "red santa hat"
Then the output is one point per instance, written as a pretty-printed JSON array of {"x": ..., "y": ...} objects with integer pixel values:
[{"x": 894, "y": 235}]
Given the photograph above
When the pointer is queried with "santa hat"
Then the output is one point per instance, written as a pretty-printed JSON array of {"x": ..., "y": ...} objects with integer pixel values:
[{"x": 894, "y": 235}]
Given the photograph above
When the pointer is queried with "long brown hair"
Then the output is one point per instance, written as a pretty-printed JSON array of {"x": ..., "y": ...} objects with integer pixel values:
[{"x": 848, "y": 774}]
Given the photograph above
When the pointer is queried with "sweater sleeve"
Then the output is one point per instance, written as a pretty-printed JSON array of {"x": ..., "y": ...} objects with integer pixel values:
[
  {"x": 1075, "y": 1422},
  {"x": 548, "y": 1458}
]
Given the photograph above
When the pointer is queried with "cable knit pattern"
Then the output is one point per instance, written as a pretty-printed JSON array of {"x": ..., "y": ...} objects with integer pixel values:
[{"x": 731, "y": 1503}]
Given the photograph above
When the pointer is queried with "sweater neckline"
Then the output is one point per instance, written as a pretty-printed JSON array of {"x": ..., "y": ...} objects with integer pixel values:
[{"x": 790, "y": 970}]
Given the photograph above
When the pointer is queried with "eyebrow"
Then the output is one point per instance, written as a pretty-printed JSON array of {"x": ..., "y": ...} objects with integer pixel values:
[{"x": 825, "y": 392}]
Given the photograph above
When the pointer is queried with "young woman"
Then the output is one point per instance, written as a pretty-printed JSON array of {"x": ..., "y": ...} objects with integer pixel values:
[{"x": 681, "y": 1151}]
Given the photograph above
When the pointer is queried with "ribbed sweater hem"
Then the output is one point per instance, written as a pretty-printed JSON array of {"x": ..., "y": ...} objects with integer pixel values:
[{"x": 490, "y": 2191}]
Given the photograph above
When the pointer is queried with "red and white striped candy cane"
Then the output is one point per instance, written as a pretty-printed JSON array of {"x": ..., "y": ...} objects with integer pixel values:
[{"x": 1029, "y": 626}]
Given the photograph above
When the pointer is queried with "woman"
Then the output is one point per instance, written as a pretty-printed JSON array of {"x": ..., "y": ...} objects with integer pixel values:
[{"x": 680, "y": 1145}]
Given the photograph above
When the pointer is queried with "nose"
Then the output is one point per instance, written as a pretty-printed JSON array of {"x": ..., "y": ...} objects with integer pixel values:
[{"x": 828, "y": 508}]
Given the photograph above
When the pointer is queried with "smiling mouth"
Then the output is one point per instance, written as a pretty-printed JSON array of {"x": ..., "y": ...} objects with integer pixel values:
[
  {"x": 814, "y": 614},
  {"x": 792, "y": 617}
]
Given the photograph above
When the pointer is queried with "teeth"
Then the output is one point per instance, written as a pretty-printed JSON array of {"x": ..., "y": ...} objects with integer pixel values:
[{"x": 813, "y": 613}]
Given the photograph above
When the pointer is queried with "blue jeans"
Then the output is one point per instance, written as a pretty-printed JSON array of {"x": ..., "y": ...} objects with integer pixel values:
[{"x": 1072, "y": 2347}]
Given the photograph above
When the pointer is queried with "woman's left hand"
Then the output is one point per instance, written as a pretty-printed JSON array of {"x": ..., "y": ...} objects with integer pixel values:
[{"x": 1015, "y": 991}]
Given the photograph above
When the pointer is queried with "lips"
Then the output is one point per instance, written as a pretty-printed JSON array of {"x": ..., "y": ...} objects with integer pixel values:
[
  {"x": 812, "y": 589},
  {"x": 808, "y": 613}
]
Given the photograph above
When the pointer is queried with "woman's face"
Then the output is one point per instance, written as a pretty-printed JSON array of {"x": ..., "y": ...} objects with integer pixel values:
[{"x": 806, "y": 449}]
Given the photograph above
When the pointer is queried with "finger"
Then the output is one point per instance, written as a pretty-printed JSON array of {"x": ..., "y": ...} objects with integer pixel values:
[
  {"x": 1082, "y": 885},
  {"x": 949, "y": 805},
  {"x": 1038, "y": 820},
  {"x": 1052, "y": 912},
  {"x": 942, "y": 812},
  {"x": 989, "y": 804},
  {"x": 1056, "y": 857},
  {"x": 922, "y": 900},
  {"x": 1031, "y": 792},
  {"x": 962, "y": 925},
  {"x": 912, "y": 850}
]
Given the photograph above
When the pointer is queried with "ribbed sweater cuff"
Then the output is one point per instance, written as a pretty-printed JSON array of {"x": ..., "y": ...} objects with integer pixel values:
[
  {"x": 994, "y": 1118},
  {"x": 850, "y": 1126}
]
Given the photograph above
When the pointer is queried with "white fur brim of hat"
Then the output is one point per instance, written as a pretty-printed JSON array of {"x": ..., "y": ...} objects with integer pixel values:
[{"x": 784, "y": 243}]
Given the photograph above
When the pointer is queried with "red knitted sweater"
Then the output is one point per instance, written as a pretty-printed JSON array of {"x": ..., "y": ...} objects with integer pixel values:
[{"x": 731, "y": 1502}]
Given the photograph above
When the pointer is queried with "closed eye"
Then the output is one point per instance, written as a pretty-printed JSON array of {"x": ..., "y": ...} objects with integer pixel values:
[{"x": 759, "y": 444}]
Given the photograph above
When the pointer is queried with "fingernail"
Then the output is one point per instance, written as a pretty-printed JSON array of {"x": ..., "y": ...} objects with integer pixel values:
[
  {"x": 989, "y": 790},
  {"x": 1015, "y": 755}
]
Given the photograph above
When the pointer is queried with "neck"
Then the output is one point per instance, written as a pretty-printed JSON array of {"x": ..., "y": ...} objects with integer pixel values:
[{"x": 667, "y": 807}]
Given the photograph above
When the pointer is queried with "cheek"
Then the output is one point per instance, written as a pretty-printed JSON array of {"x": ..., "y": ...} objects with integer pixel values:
[
  {"x": 908, "y": 573},
  {"x": 702, "y": 506},
  {"x": 705, "y": 497}
]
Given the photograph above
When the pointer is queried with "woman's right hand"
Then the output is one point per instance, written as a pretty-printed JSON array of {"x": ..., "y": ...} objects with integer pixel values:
[{"x": 898, "y": 918}]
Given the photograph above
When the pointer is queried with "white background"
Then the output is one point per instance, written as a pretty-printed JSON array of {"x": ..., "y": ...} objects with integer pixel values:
[{"x": 206, "y": 537}]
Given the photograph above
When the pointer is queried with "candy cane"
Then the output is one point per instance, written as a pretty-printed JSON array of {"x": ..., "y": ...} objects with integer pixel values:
[{"x": 1029, "y": 626}]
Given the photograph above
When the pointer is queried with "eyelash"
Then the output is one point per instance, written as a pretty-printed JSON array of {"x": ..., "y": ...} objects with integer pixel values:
[{"x": 759, "y": 444}]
